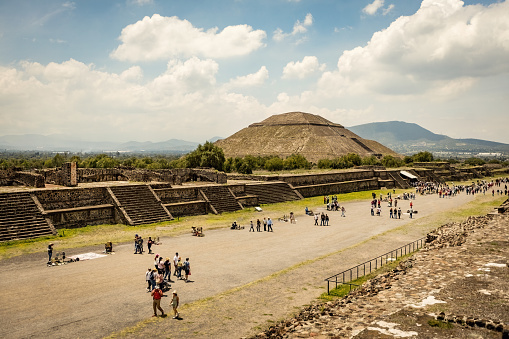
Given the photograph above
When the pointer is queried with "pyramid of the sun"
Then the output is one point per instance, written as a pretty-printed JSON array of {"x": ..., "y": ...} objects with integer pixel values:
[{"x": 299, "y": 133}]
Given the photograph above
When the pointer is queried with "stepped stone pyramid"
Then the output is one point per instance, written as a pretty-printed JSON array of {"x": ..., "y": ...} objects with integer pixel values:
[{"x": 302, "y": 133}]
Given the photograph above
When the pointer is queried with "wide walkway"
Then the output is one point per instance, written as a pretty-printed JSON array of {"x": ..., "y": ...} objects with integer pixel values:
[{"x": 94, "y": 298}]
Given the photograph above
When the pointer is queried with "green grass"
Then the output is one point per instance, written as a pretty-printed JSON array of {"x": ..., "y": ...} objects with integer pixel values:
[
  {"x": 344, "y": 289},
  {"x": 440, "y": 324}
]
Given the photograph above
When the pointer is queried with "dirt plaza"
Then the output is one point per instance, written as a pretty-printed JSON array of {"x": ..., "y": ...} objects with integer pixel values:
[{"x": 100, "y": 297}]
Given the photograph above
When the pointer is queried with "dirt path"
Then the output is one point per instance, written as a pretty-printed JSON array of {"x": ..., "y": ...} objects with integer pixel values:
[{"x": 94, "y": 298}]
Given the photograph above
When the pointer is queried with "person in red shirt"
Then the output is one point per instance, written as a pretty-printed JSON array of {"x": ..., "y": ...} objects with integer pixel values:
[{"x": 156, "y": 301}]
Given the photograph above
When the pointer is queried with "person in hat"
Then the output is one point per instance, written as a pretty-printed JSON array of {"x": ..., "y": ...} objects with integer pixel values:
[
  {"x": 50, "y": 251},
  {"x": 175, "y": 304}
]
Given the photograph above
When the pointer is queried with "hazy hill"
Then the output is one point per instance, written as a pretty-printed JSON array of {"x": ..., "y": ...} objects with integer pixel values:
[
  {"x": 407, "y": 138},
  {"x": 63, "y": 143}
]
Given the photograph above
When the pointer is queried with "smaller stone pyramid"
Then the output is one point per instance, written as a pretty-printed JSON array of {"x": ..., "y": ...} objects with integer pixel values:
[{"x": 299, "y": 133}]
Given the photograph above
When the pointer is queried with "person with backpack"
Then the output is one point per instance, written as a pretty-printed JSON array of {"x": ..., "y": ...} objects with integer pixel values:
[
  {"x": 148, "y": 278},
  {"x": 156, "y": 301},
  {"x": 187, "y": 268}
]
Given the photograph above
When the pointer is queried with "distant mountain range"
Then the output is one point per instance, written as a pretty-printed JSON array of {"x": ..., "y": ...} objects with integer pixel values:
[
  {"x": 402, "y": 137},
  {"x": 63, "y": 143},
  {"x": 410, "y": 138}
]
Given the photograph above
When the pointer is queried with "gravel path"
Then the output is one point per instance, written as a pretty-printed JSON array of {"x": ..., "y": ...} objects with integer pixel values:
[{"x": 95, "y": 298}]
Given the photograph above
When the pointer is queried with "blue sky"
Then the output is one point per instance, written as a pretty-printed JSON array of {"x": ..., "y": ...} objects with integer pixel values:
[{"x": 156, "y": 70}]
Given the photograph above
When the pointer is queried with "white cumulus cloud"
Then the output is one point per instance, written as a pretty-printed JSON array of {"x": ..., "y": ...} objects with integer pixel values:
[
  {"x": 298, "y": 28},
  {"x": 373, "y": 7},
  {"x": 253, "y": 79},
  {"x": 159, "y": 38},
  {"x": 302, "y": 69},
  {"x": 440, "y": 44}
]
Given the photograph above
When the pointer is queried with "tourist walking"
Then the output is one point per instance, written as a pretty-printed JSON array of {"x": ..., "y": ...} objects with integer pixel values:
[
  {"x": 156, "y": 301},
  {"x": 187, "y": 268},
  {"x": 251, "y": 227},
  {"x": 148, "y": 278},
  {"x": 269, "y": 225},
  {"x": 399, "y": 212},
  {"x": 50, "y": 252},
  {"x": 258, "y": 225},
  {"x": 265, "y": 224},
  {"x": 136, "y": 245},
  {"x": 326, "y": 220},
  {"x": 175, "y": 262},
  {"x": 316, "y": 219},
  {"x": 167, "y": 269},
  {"x": 150, "y": 242},
  {"x": 343, "y": 210},
  {"x": 175, "y": 304}
]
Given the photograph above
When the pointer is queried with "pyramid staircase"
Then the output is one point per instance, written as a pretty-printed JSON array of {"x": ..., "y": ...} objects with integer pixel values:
[
  {"x": 399, "y": 180},
  {"x": 221, "y": 199},
  {"x": 20, "y": 218},
  {"x": 139, "y": 204},
  {"x": 271, "y": 193}
]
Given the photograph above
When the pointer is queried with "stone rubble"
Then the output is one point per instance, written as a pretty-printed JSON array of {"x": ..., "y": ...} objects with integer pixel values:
[{"x": 413, "y": 281}]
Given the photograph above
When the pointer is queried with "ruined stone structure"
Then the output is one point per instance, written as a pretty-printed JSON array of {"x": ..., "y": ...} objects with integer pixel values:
[
  {"x": 40, "y": 212},
  {"x": 299, "y": 133}
]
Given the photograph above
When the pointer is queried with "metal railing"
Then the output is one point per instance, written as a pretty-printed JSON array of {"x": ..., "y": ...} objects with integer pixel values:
[{"x": 369, "y": 266}]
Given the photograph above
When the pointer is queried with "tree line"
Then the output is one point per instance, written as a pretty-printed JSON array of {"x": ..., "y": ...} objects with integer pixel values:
[{"x": 211, "y": 156}]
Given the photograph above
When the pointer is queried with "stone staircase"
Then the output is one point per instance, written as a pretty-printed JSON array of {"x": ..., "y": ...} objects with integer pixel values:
[
  {"x": 139, "y": 204},
  {"x": 20, "y": 217},
  {"x": 271, "y": 193},
  {"x": 399, "y": 180},
  {"x": 221, "y": 198}
]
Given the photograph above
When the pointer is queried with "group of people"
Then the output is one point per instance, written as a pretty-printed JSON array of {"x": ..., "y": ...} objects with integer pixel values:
[
  {"x": 138, "y": 244},
  {"x": 324, "y": 219},
  {"x": 394, "y": 212},
  {"x": 157, "y": 294},
  {"x": 159, "y": 279},
  {"x": 266, "y": 222}
]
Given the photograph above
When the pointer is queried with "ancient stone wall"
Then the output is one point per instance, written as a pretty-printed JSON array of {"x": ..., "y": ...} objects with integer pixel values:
[
  {"x": 82, "y": 217},
  {"x": 249, "y": 201},
  {"x": 30, "y": 179},
  {"x": 323, "y": 178},
  {"x": 338, "y": 187},
  {"x": 72, "y": 198},
  {"x": 178, "y": 195},
  {"x": 189, "y": 208}
]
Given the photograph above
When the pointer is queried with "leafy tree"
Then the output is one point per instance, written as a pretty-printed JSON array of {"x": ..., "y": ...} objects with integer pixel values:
[
  {"x": 324, "y": 163},
  {"x": 423, "y": 157},
  {"x": 390, "y": 161},
  {"x": 274, "y": 164},
  {"x": 371, "y": 161},
  {"x": 474, "y": 162},
  {"x": 352, "y": 159},
  {"x": 494, "y": 161},
  {"x": 295, "y": 161},
  {"x": 207, "y": 155},
  {"x": 408, "y": 159}
]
